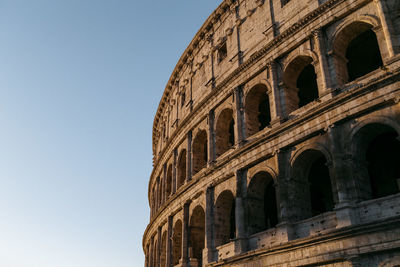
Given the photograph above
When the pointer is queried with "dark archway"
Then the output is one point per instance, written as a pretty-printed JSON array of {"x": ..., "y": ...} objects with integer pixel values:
[
  {"x": 311, "y": 185},
  {"x": 300, "y": 81},
  {"x": 363, "y": 55},
  {"x": 262, "y": 206},
  {"x": 197, "y": 233},
  {"x": 168, "y": 186},
  {"x": 257, "y": 109},
  {"x": 224, "y": 132},
  {"x": 356, "y": 52},
  {"x": 225, "y": 227},
  {"x": 307, "y": 86},
  {"x": 181, "y": 169},
  {"x": 382, "y": 156},
  {"x": 200, "y": 153},
  {"x": 320, "y": 187},
  {"x": 177, "y": 243},
  {"x": 377, "y": 147}
]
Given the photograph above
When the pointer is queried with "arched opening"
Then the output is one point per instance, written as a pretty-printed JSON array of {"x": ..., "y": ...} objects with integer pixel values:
[
  {"x": 160, "y": 186},
  {"x": 225, "y": 227},
  {"x": 356, "y": 52},
  {"x": 378, "y": 146},
  {"x": 262, "y": 206},
  {"x": 154, "y": 199},
  {"x": 307, "y": 86},
  {"x": 300, "y": 82},
  {"x": 200, "y": 157},
  {"x": 197, "y": 233},
  {"x": 320, "y": 186},
  {"x": 168, "y": 187},
  {"x": 181, "y": 169},
  {"x": 257, "y": 109},
  {"x": 363, "y": 55},
  {"x": 163, "y": 256},
  {"x": 383, "y": 164},
  {"x": 312, "y": 185},
  {"x": 224, "y": 132},
  {"x": 177, "y": 243}
]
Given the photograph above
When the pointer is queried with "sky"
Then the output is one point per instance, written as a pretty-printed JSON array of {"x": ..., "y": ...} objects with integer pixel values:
[{"x": 80, "y": 82}]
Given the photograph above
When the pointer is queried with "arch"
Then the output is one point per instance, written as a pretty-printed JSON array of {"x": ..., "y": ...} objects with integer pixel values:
[
  {"x": 262, "y": 204},
  {"x": 375, "y": 148},
  {"x": 224, "y": 132},
  {"x": 225, "y": 227},
  {"x": 160, "y": 187},
  {"x": 163, "y": 255},
  {"x": 311, "y": 184},
  {"x": 200, "y": 151},
  {"x": 197, "y": 233},
  {"x": 257, "y": 109},
  {"x": 181, "y": 169},
  {"x": 356, "y": 49},
  {"x": 177, "y": 243},
  {"x": 300, "y": 82},
  {"x": 168, "y": 186}
]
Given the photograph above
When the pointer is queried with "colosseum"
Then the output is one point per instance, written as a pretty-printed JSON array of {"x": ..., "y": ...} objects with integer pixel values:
[{"x": 276, "y": 137}]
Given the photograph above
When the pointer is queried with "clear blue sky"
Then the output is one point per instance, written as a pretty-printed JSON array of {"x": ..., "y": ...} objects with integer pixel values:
[{"x": 80, "y": 81}]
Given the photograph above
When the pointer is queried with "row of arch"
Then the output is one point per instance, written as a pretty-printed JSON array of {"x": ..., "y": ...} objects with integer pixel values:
[
  {"x": 356, "y": 52},
  {"x": 312, "y": 184}
]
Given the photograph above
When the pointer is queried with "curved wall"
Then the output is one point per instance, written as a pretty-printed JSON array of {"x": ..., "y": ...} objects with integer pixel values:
[{"x": 276, "y": 139}]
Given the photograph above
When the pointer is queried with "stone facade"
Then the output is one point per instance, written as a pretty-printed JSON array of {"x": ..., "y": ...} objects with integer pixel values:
[{"x": 276, "y": 141}]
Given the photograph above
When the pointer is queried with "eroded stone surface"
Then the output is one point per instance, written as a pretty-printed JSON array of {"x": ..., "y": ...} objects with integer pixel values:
[{"x": 276, "y": 141}]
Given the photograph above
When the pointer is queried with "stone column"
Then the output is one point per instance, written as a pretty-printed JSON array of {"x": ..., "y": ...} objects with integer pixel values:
[
  {"x": 238, "y": 23},
  {"x": 209, "y": 251},
  {"x": 324, "y": 79},
  {"x": 185, "y": 235},
  {"x": 168, "y": 259},
  {"x": 211, "y": 139},
  {"x": 174, "y": 176},
  {"x": 388, "y": 30},
  {"x": 240, "y": 124},
  {"x": 151, "y": 253},
  {"x": 210, "y": 39},
  {"x": 158, "y": 262},
  {"x": 241, "y": 195},
  {"x": 277, "y": 110},
  {"x": 285, "y": 204},
  {"x": 341, "y": 174},
  {"x": 189, "y": 157}
]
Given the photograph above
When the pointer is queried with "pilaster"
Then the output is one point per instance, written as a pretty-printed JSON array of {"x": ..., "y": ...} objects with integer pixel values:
[
  {"x": 241, "y": 194},
  {"x": 209, "y": 252},
  {"x": 211, "y": 139},
  {"x": 240, "y": 125},
  {"x": 169, "y": 243},
  {"x": 185, "y": 235},
  {"x": 189, "y": 157}
]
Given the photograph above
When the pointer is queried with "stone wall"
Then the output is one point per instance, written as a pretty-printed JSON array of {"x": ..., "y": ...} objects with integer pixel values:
[{"x": 276, "y": 140}]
